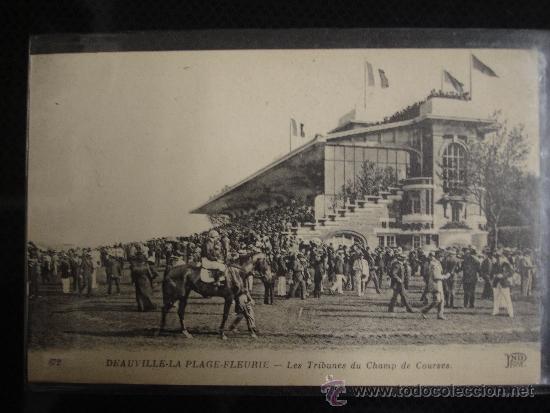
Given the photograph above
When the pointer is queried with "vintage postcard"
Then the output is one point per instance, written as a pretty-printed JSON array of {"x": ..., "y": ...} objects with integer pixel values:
[{"x": 284, "y": 217}]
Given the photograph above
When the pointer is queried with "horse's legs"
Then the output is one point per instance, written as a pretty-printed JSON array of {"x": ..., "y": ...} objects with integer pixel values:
[
  {"x": 226, "y": 308},
  {"x": 165, "y": 309},
  {"x": 181, "y": 313}
]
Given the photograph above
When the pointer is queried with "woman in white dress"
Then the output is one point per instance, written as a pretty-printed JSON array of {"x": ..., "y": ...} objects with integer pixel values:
[{"x": 502, "y": 277}]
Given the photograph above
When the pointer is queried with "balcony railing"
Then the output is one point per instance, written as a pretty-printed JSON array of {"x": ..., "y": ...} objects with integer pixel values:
[{"x": 421, "y": 180}]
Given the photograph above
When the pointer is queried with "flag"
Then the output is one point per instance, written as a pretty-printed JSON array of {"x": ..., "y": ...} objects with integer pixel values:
[
  {"x": 370, "y": 75},
  {"x": 482, "y": 67},
  {"x": 293, "y": 127},
  {"x": 383, "y": 79},
  {"x": 302, "y": 133},
  {"x": 457, "y": 85}
]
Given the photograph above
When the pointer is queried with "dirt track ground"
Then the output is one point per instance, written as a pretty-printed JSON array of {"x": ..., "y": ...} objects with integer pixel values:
[{"x": 69, "y": 322}]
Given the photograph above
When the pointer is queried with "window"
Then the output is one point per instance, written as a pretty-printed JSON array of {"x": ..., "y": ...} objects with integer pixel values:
[
  {"x": 428, "y": 240},
  {"x": 415, "y": 138},
  {"x": 414, "y": 202},
  {"x": 429, "y": 202},
  {"x": 339, "y": 153},
  {"x": 339, "y": 177},
  {"x": 329, "y": 178},
  {"x": 417, "y": 242},
  {"x": 349, "y": 174},
  {"x": 371, "y": 155},
  {"x": 388, "y": 136},
  {"x": 373, "y": 137},
  {"x": 359, "y": 154},
  {"x": 343, "y": 164},
  {"x": 455, "y": 210},
  {"x": 390, "y": 240},
  {"x": 454, "y": 167},
  {"x": 381, "y": 241}
]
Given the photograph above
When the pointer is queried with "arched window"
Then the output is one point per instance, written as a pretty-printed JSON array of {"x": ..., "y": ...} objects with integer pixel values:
[{"x": 454, "y": 167}]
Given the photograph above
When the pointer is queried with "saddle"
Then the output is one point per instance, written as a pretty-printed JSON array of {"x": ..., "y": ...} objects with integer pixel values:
[{"x": 207, "y": 276}]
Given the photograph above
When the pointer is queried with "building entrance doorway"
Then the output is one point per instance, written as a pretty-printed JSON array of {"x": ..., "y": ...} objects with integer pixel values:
[{"x": 346, "y": 238}]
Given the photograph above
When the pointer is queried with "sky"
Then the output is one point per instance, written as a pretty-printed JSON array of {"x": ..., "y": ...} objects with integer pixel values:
[{"x": 123, "y": 145}]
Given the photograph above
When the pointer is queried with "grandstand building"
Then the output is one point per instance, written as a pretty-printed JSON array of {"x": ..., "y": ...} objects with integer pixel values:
[{"x": 422, "y": 147}]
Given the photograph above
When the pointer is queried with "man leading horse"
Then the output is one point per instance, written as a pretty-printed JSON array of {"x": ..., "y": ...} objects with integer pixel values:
[{"x": 180, "y": 280}]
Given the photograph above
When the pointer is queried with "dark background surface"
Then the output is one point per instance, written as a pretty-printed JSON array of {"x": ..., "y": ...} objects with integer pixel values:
[{"x": 22, "y": 18}]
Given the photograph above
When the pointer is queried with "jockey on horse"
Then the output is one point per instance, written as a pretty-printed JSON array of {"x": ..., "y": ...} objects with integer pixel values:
[
  {"x": 180, "y": 280},
  {"x": 212, "y": 257}
]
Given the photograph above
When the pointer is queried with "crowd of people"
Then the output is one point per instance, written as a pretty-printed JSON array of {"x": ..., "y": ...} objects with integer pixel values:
[
  {"x": 413, "y": 111},
  {"x": 294, "y": 268}
]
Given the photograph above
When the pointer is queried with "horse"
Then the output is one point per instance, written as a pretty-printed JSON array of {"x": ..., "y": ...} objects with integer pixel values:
[{"x": 181, "y": 280}]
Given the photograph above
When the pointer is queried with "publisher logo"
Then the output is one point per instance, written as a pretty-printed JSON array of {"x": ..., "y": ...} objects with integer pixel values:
[
  {"x": 332, "y": 390},
  {"x": 514, "y": 360}
]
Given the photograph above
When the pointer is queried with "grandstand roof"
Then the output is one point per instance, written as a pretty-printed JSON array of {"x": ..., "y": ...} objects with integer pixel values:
[{"x": 298, "y": 174}]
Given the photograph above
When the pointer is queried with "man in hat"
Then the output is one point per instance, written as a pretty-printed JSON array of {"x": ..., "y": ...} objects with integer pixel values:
[
  {"x": 263, "y": 271},
  {"x": 372, "y": 275},
  {"x": 414, "y": 261},
  {"x": 298, "y": 280},
  {"x": 74, "y": 263},
  {"x": 425, "y": 274},
  {"x": 34, "y": 269},
  {"x": 451, "y": 266},
  {"x": 248, "y": 253},
  {"x": 54, "y": 264},
  {"x": 113, "y": 270},
  {"x": 87, "y": 268},
  {"x": 388, "y": 258},
  {"x": 358, "y": 270},
  {"x": 470, "y": 272},
  {"x": 158, "y": 253},
  {"x": 379, "y": 265},
  {"x": 348, "y": 272},
  {"x": 46, "y": 261},
  {"x": 435, "y": 284},
  {"x": 397, "y": 276},
  {"x": 339, "y": 277},
  {"x": 525, "y": 268},
  {"x": 244, "y": 304},
  {"x": 280, "y": 269},
  {"x": 406, "y": 268},
  {"x": 318, "y": 266}
]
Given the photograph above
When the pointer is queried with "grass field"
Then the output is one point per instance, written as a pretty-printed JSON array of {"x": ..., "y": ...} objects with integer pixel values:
[{"x": 59, "y": 321}]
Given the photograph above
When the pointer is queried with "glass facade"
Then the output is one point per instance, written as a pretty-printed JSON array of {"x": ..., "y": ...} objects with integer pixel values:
[
  {"x": 418, "y": 201},
  {"x": 454, "y": 167},
  {"x": 343, "y": 164}
]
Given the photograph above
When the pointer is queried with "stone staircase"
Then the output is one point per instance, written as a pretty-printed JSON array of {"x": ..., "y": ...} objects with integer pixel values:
[{"x": 363, "y": 216}]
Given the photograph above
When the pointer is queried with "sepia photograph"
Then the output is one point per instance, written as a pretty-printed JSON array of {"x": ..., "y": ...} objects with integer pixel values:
[{"x": 284, "y": 217}]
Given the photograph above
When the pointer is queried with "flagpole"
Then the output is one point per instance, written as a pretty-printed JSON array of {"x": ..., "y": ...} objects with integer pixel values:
[
  {"x": 365, "y": 85},
  {"x": 470, "y": 76},
  {"x": 290, "y": 135}
]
